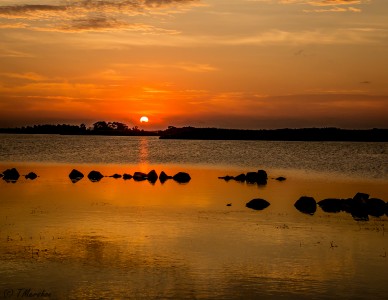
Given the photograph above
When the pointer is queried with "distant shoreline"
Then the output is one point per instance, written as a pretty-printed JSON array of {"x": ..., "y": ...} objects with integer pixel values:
[
  {"x": 193, "y": 133},
  {"x": 303, "y": 134}
]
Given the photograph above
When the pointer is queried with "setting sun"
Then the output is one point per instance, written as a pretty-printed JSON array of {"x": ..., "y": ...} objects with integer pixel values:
[{"x": 144, "y": 119}]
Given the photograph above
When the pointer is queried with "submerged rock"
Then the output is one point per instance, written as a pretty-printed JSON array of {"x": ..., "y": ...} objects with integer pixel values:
[
  {"x": 95, "y": 176},
  {"x": 257, "y": 204},
  {"x": 11, "y": 175},
  {"x": 280, "y": 178},
  {"x": 226, "y": 178},
  {"x": 75, "y": 175},
  {"x": 306, "y": 205},
  {"x": 116, "y": 176},
  {"x": 31, "y": 176},
  {"x": 182, "y": 177}
]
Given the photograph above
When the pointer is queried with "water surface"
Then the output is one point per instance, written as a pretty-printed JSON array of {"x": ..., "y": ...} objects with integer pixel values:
[{"x": 118, "y": 239}]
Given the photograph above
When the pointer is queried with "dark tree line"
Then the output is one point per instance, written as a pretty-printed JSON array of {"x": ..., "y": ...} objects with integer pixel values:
[
  {"x": 286, "y": 134},
  {"x": 98, "y": 128}
]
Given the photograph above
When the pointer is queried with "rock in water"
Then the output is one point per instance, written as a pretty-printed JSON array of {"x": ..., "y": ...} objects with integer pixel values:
[
  {"x": 95, "y": 176},
  {"x": 116, "y": 176},
  {"x": 139, "y": 176},
  {"x": 252, "y": 177},
  {"x": 75, "y": 175},
  {"x": 281, "y": 178},
  {"x": 240, "y": 178},
  {"x": 306, "y": 205},
  {"x": 11, "y": 175},
  {"x": 358, "y": 207},
  {"x": 375, "y": 207},
  {"x": 262, "y": 177},
  {"x": 257, "y": 204},
  {"x": 182, "y": 177},
  {"x": 331, "y": 205},
  {"x": 31, "y": 176},
  {"x": 152, "y": 176},
  {"x": 127, "y": 176},
  {"x": 163, "y": 177}
]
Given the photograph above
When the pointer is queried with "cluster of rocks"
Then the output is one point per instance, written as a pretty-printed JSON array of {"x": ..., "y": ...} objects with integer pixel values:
[
  {"x": 12, "y": 175},
  {"x": 152, "y": 176},
  {"x": 260, "y": 177},
  {"x": 360, "y": 206}
]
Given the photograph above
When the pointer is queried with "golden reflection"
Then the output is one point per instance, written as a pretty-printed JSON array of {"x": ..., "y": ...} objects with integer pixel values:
[
  {"x": 143, "y": 151},
  {"x": 170, "y": 239}
]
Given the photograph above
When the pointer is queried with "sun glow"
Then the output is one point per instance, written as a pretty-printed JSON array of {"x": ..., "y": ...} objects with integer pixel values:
[{"x": 144, "y": 119}]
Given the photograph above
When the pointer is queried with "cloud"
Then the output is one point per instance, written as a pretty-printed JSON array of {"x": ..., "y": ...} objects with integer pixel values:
[
  {"x": 89, "y": 15},
  {"x": 330, "y": 5},
  {"x": 31, "y": 76}
]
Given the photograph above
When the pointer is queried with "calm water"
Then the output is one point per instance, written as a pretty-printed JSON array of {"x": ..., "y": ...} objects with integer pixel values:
[
  {"x": 362, "y": 160},
  {"x": 119, "y": 239}
]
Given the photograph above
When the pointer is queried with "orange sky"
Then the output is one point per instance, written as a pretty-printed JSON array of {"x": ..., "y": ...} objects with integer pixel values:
[{"x": 218, "y": 63}]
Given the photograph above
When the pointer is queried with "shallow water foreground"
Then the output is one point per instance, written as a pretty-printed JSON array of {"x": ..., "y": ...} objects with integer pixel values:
[{"x": 118, "y": 239}]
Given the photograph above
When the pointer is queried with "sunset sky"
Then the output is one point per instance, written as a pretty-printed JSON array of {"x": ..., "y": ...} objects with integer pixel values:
[{"x": 204, "y": 63}]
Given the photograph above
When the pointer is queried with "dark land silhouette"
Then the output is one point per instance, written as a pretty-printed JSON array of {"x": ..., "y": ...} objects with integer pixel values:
[
  {"x": 286, "y": 134},
  {"x": 98, "y": 128},
  {"x": 193, "y": 133}
]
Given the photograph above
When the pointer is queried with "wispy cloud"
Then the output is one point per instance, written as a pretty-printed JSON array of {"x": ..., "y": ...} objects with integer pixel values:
[
  {"x": 31, "y": 76},
  {"x": 324, "y": 5},
  {"x": 89, "y": 15}
]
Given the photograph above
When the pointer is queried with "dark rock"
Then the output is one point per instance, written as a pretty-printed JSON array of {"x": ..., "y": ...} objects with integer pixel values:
[
  {"x": 252, "y": 177},
  {"x": 375, "y": 207},
  {"x": 1, "y": 175},
  {"x": 280, "y": 178},
  {"x": 152, "y": 176},
  {"x": 139, "y": 176},
  {"x": 306, "y": 205},
  {"x": 240, "y": 178},
  {"x": 257, "y": 204},
  {"x": 163, "y": 177},
  {"x": 361, "y": 197},
  {"x": 116, "y": 176},
  {"x": 358, "y": 207},
  {"x": 226, "y": 178},
  {"x": 262, "y": 177},
  {"x": 11, "y": 175},
  {"x": 95, "y": 176},
  {"x": 360, "y": 215},
  {"x": 347, "y": 204},
  {"x": 182, "y": 177},
  {"x": 331, "y": 205},
  {"x": 75, "y": 175},
  {"x": 229, "y": 204},
  {"x": 31, "y": 176},
  {"x": 127, "y": 176},
  {"x": 386, "y": 208},
  {"x": 259, "y": 177}
]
